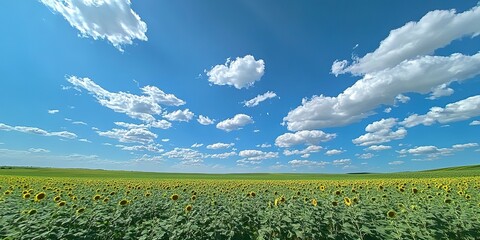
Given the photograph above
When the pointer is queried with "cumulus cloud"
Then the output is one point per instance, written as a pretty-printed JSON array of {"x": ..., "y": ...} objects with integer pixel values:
[
  {"x": 235, "y": 123},
  {"x": 186, "y": 155},
  {"x": 380, "y": 132},
  {"x": 259, "y": 98},
  {"x": 256, "y": 155},
  {"x": 112, "y": 20},
  {"x": 434, "y": 30},
  {"x": 240, "y": 73},
  {"x": 141, "y": 107},
  {"x": 440, "y": 91},
  {"x": 419, "y": 75},
  {"x": 307, "y": 163},
  {"x": 156, "y": 148},
  {"x": 333, "y": 152},
  {"x": 220, "y": 145},
  {"x": 365, "y": 155},
  {"x": 306, "y": 152},
  {"x": 204, "y": 120},
  {"x": 452, "y": 112},
  {"x": 312, "y": 137},
  {"x": 474, "y": 123},
  {"x": 179, "y": 115},
  {"x": 222, "y": 155},
  {"x": 430, "y": 151},
  {"x": 53, "y": 111},
  {"x": 345, "y": 161},
  {"x": 37, "y": 131},
  {"x": 378, "y": 148},
  {"x": 133, "y": 135}
]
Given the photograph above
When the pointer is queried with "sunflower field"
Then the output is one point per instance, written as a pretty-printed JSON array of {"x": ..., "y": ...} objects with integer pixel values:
[{"x": 76, "y": 208}]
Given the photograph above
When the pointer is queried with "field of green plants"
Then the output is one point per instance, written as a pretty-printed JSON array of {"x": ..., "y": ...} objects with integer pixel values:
[{"x": 360, "y": 207}]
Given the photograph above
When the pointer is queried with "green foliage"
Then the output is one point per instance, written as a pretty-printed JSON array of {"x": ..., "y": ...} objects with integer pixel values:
[{"x": 145, "y": 208}]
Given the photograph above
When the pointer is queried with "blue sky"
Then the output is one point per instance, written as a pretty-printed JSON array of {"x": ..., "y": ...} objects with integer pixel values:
[{"x": 245, "y": 86}]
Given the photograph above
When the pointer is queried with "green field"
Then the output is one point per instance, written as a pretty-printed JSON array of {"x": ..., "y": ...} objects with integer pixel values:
[
  {"x": 473, "y": 170},
  {"x": 46, "y": 203}
]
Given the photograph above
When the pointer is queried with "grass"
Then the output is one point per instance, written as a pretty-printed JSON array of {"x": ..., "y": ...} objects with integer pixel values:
[{"x": 464, "y": 171}]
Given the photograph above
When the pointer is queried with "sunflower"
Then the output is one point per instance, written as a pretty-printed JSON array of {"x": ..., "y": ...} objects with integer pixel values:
[
  {"x": 105, "y": 200},
  {"x": 414, "y": 190},
  {"x": 148, "y": 194},
  {"x": 26, "y": 195},
  {"x": 56, "y": 198},
  {"x": 188, "y": 208},
  {"x": 32, "y": 211},
  {"x": 335, "y": 203},
  {"x": 193, "y": 197},
  {"x": 276, "y": 202},
  {"x": 61, "y": 203},
  {"x": 322, "y": 188},
  {"x": 174, "y": 197},
  {"x": 96, "y": 197},
  {"x": 123, "y": 202},
  {"x": 314, "y": 202},
  {"x": 253, "y": 194},
  {"x": 391, "y": 214},
  {"x": 447, "y": 200},
  {"x": 80, "y": 210},
  {"x": 347, "y": 201},
  {"x": 39, "y": 196}
]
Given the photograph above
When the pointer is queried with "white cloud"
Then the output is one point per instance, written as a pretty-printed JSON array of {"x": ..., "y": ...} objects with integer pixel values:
[
  {"x": 84, "y": 140},
  {"x": 380, "y": 132},
  {"x": 387, "y": 110},
  {"x": 235, "y": 123},
  {"x": 307, "y": 163},
  {"x": 135, "y": 106},
  {"x": 264, "y": 145},
  {"x": 440, "y": 91},
  {"x": 138, "y": 135},
  {"x": 333, "y": 152},
  {"x": 222, "y": 155},
  {"x": 139, "y": 148},
  {"x": 204, "y": 120},
  {"x": 162, "y": 124},
  {"x": 259, "y": 98},
  {"x": 186, "y": 155},
  {"x": 465, "y": 145},
  {"x": 453, "y": 112},
  {"x": 431, "y": 152},
  {"x": 165, "y": 140},
  {"x": 312, "y": 137},
  {"x": 220, "y": 145},
  {"x": 338, "y": 67},
  {"x": 112, "y": 20},
  {"x": 37, "y": 131},
  {"x": 79, "y": 123},
  {"x": 197, "y": 145},
  {"x": 306, "y": 151},
  {"x": 402, "y": 98},
  {"x": 474, "y": 123},
  {"x": 256, "y": 155},
  {"x": 434, "y": 30},
  {"x": 419, "y": 75},
  {"x": 396, "y": 162},
  {"x": 345, "y": 161},
  {"x": 179, "y": 115},
  {"x": 240, "y": 73},
  {"x": 377, "y": 148},
  {"x": 38, "y": 150},
  {"x": 365, "y": 155},
  {"x": 53, "y": 111}
]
